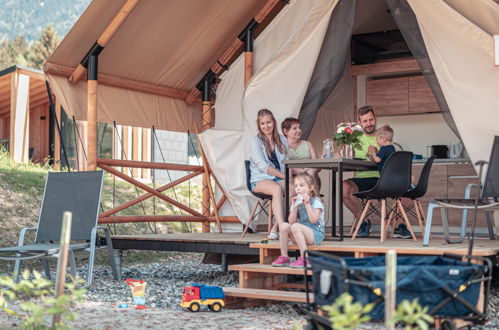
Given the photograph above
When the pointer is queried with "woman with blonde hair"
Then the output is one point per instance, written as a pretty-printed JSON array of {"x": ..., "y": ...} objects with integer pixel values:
[{"x": 267, "y": 151}]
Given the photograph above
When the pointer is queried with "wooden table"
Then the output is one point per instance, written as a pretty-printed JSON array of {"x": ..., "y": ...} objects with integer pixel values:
[{"x": 337, "y": 166}]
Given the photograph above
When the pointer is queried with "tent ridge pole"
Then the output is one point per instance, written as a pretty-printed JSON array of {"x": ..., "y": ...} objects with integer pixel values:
[{"x": 103, "y": 39}]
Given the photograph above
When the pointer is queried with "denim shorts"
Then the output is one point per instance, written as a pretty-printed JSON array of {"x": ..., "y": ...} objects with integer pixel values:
[
  {"x": 253, "y": 184},
  {"x": 318, "y": 235}
]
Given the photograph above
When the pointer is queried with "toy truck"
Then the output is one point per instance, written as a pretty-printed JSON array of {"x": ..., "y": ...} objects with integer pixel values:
[{"x": 196, "y": 295}]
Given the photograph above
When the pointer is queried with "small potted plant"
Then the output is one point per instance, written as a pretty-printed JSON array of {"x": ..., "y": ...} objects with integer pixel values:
[{"x": 347, "y": 138}]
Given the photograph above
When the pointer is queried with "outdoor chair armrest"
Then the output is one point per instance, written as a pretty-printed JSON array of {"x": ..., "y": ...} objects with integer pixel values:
[
  {"x": 22, "y": 234},
  {"x": 467, "y": 191}
]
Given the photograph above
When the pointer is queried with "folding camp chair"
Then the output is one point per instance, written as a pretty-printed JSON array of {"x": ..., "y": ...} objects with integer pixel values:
[
  {"x": 488, "y": 201},
  {"x": 79, "y": 193}
]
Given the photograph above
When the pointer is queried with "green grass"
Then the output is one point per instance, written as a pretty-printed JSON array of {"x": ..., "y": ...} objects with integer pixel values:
[
  {"x": 28, "y": 180},
  {"x": 22, "y": 177}
]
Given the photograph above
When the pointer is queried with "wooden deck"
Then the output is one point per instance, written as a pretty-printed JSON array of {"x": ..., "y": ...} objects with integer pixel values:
[{"x": 251, "y": 244}]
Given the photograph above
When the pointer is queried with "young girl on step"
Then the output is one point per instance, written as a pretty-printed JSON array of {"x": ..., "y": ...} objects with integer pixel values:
[{"x": 305, "y": 224}]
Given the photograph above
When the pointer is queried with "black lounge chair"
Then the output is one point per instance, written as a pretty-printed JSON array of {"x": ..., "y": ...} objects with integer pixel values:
[
  {"x": 488, "y": 201},
  {"x": 79, "y": 193}
]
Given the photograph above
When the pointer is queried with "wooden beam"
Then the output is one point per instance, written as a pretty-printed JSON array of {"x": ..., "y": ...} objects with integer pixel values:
[
  {"x": 57, "y": 138},
  {"x": 92, "y": 125},
  {"x": 114, "y": 81},
  {"x": 138, "y": 164},
  {"x": 207, "y": 184},
  {"x": 231, "y": 53},
  {"x": 248, "y": 67},
  {"x": 32, "y": 74},
  {"x": 19, "y": 151},
  {"x": 13, "y": 97},
  {"x": 108, "y": 33},
  {"x": 387, "y": 68},
  {"x": 163, "y": 218}
]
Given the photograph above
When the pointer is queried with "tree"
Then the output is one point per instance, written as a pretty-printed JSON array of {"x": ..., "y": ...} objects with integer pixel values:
[
  {"x": 13, "y": 52},
  {"x": 41, "y": 49}
]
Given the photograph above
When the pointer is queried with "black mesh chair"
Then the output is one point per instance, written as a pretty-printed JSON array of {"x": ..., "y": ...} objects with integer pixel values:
[
  {"x": 488, "y": 201},
  {"x": 263, "y": 200},
  {"x": 78, "y": 193},
  {"x": 416, "y": 209},
  {"x": 394, "y": 181}
]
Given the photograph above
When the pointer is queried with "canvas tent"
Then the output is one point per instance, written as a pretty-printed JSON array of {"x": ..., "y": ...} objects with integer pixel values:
[{"x": 152, "y": 64}]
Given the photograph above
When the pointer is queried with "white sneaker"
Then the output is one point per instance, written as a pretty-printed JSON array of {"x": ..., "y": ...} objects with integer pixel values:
[{"x": 273, "y": 235}]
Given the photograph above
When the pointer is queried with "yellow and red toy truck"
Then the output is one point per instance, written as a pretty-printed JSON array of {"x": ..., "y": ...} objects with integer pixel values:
[{"x": 196, "y": 295}]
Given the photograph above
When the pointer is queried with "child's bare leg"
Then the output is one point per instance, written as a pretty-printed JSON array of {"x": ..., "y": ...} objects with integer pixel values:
[
  {"x": 303, "y": 235},
  {"x": 284, "y": 231}
]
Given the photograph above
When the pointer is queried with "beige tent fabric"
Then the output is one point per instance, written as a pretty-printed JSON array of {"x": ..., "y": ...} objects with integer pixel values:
[
  {"x": 280, "y": 85},
  {"x": 462, "y": 56},
  {"x": 126, "y": 107},
  {"x": 226, "y": 138},
  {"x": 285, "y": 56},
  {"x": 164, "y": 43},
  {"x": 482, "y": 13}
]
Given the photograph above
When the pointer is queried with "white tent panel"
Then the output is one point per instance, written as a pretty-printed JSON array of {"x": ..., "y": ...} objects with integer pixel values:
[
  {"x": 287, "y": 51},
  {"x": 462, "y": 56}
]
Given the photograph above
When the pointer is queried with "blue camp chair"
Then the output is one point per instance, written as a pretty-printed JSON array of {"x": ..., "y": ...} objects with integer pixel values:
[{"x": 79, "y": 193}]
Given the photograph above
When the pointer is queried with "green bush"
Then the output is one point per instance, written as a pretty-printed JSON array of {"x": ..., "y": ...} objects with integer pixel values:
[
  {"x": 412, "y": 315},
  {"x": 344, "y": 314},
  {"x": 36, "y": 297}
]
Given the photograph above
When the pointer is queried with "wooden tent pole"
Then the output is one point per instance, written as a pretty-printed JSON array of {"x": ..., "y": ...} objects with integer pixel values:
[
  {"x": 247, "y": 36},
  {"x": 211, "y": 195},
  {"x": 104, "y": 38},
  {"x": 205, "y": 86},
  {"x": 57, "y": 137},
  {"x": 92, "y": 113}
]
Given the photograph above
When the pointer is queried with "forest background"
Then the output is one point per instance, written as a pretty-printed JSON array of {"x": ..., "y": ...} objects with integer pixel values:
[{"x": 31, "y": 29}]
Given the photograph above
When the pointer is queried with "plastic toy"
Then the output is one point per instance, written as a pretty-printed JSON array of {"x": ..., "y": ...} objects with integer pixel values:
[
  {"x": 196, "y": 295},
  {"x": 138, "y": 288}
]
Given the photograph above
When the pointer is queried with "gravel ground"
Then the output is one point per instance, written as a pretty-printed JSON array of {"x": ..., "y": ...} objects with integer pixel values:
[{"x": 166, "y": 279}]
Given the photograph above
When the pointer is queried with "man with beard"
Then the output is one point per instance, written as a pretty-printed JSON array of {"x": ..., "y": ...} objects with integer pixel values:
[{"x": 363, "y": 180}]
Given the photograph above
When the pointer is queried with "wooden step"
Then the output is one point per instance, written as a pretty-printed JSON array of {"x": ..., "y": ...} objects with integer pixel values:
[
  {"x": 259, "y": 268},
  {"x": 267, "y": 294}
]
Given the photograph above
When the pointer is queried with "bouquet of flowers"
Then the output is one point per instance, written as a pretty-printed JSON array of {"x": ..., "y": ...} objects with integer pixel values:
[{"x": 348, "y": 134}]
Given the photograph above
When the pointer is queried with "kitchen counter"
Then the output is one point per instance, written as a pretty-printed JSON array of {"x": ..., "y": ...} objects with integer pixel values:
[{"x": 443, "y": 161}]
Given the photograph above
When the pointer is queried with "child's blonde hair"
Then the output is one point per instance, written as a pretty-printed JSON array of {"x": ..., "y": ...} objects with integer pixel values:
[
  {"x": 385, "y": 132},
  {"x": 309, "y": 180}
]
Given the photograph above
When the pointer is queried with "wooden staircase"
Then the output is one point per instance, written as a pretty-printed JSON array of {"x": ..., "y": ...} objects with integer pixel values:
[{"x": 261, "y": 282}]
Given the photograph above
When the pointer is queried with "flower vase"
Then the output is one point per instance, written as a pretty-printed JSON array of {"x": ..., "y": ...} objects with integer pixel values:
[{"x": 347, "y": 151}]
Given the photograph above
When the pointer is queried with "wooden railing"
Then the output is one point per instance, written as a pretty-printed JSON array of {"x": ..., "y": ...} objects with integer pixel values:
[{"x": 110, "y": 216}]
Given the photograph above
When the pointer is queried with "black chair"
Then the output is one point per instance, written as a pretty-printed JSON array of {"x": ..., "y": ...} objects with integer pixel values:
[
  {"x": 263, "y": 200},
  {"x": 394, "y": 181},
  {"x": 416, "y": 209},
  {"x": 488, "y": 201}
]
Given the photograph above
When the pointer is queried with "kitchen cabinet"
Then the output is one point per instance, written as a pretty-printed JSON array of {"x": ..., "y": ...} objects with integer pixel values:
[
  {"x": 421, "y": 99},
  {"x": 394, "y": 88},
  {"x": 388, "y": 96}
]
